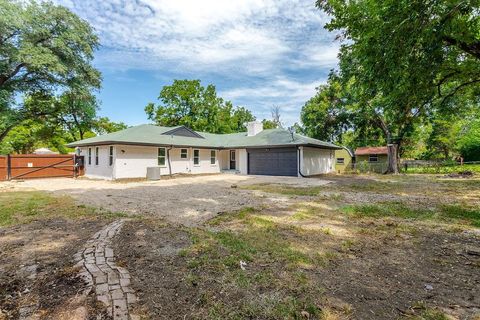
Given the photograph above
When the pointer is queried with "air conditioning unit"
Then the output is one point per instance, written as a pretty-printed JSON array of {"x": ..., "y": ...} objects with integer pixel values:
[{"x": 153, "y": 173}]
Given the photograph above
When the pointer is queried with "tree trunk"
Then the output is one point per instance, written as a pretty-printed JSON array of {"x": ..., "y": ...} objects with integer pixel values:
[
  {"x": 4, "y": 133},
  {"x": 393, "y": 159}
]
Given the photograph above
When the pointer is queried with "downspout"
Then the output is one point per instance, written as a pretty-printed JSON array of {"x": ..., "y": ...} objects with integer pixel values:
[
  {"x": 300, "y": 164},
  {"x": 168, "y": 159}
]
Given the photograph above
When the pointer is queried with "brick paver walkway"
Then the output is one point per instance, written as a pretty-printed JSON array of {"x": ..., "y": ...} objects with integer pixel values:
[{"x": 110, "y": 282}]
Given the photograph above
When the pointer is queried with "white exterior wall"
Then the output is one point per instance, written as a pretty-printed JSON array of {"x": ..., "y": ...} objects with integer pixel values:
[
  {"x": 316, "y": 161},
  {"x": 132, "y": 161},
  {"x": 101, "y": 171},
  {"x": 205, "y": 166},
  {"x": 242, "y": 161}
]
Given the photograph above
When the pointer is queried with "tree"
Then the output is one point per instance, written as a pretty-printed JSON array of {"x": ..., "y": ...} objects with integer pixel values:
[
  {"x": 76, "y": 112},
  {"x": 469, "y": 142},
  {"x": 103, "y": 125},
  {"x": 325, "y": 116},
  {"x": 188, "y": 103},
  {"x": 43, "y": 48},
  {"x": 403, "y": 60}
]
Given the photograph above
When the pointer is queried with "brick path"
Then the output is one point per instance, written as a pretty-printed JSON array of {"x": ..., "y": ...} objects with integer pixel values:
[{"x": 110, "y": 282}]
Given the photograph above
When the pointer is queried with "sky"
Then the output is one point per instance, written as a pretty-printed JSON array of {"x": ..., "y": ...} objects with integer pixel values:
[{"x": 258, "y": 53}]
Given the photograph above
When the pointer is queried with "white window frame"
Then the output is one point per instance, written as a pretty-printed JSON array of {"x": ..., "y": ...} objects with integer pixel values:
[
  {"x": 183, "y": 155},
  {"x": 97, "y": 160},
  {"x": 214, "y": 157},
  {"x": 89, "y": 155},
  {"x": 197, "y": 158},
  {"x": 160, "y": 157},
  {"x": 340, "y": 160},
  {"x": 373, "y": 156},
  {"x": 110, "y": 156}
]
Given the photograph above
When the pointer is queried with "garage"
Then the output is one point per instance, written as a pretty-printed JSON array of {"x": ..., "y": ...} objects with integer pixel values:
[{"x": 273, "y": 161}]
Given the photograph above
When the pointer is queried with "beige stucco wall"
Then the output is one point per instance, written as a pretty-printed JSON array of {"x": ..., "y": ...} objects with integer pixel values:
[{"x": 316, "y": 161}]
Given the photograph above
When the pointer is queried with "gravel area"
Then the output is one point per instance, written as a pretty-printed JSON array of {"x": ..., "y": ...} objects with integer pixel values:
[{"x": 184, "y": 200}]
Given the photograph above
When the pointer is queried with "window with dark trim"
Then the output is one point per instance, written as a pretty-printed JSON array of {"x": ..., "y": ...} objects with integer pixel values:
[
  {"x": 373, "y": 158},
  {"x": 110, "y": 156},
  {"x": 213, "y": 157},
  {"x": 196, "y": 157},
  {"x": 340, "y": 160},
  {"x": 161, "y": 157},
  {"x": 89, "y": 156},
  {"x": 96, "y": 156},
  {"x": 183, "y": 153}
]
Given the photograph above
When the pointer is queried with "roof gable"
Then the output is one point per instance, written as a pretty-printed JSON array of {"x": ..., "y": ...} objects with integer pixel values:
[{"x": 183, "y": 131}]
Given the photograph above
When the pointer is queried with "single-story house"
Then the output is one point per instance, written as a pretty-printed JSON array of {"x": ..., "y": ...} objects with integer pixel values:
[
  {"x": 344, "y": 159},
  {"x": 128, "y": 153},
  {"x": 372, "y": 159}
]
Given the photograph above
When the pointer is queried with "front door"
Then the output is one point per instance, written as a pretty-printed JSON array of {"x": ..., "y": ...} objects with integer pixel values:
[{"x": 232, "y": 160}]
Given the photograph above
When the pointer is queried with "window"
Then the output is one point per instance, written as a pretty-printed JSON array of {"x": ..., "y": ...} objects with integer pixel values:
[
  {"x": 196, "y": 157},
  {"x": 96, "y": 156},
  {"x": 340, "y": 160},
  {"x": 183, "y": 153},
  {"x": 110, "y": 156},
  {"x": 213, "y": 157},
  {"x": 373, "y": 158},
  {"x": 89, "y": 156},
  {"x": 161, "y": 157}
]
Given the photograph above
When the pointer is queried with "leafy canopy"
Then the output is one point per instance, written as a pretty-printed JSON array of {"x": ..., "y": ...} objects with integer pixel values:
[
  {"x": 188, "y": 103},
  {"x": 402, "y": 60},
  {"x": 43, "y": 48}
]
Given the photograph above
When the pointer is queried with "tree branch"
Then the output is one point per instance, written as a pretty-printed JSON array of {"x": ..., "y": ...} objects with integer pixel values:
[
  {"x": 457, "y": 89},
  {"x": 5, "y": 78},
  {"x": 471, "y": 48}
]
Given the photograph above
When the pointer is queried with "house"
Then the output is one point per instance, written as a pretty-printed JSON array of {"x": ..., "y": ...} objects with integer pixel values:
[
  {"x": 344, "y": 159},
  {"x": 128, "y": 153},
  {"x": 372, "y": 159}
]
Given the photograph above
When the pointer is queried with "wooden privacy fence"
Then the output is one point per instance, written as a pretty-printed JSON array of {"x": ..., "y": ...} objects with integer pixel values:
[{"x": 27, "y": 166}]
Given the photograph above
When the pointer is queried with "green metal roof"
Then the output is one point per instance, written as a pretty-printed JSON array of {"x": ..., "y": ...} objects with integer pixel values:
[{"x": 154, "y": 135}]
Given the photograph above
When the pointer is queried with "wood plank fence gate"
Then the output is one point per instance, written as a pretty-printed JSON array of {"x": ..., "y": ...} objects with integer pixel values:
[{"x": 28, "y": 166}]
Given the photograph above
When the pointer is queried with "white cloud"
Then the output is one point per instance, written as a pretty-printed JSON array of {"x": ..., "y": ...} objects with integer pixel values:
[{"x": 242, "y": 44}]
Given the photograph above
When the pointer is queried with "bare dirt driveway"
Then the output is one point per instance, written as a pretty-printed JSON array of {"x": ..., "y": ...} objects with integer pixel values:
[{"x": 184, "y": 200}]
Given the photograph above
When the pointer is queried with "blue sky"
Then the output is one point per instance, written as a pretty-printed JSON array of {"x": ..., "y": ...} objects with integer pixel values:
[{"x": 258, "y": 53}]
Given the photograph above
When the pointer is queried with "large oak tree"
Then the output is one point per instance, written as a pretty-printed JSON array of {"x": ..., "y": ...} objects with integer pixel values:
[
  {"x": 188, "y": 103},
  {"x": 43, "y": 48},
  {"x": 404, "y": 60}
]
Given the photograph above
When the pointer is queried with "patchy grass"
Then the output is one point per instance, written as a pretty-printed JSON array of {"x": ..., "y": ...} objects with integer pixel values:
[
  {"x": 457, "y": 214},
  {"x": 25, "y": 206},
  {"x": 265, "y": 261},
  {"x": 445, "y": 169}
]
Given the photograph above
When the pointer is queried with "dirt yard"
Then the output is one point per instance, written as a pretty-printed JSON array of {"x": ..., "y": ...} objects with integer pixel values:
[
  {"x": 236, "y": 247},
  {"x": 186, "y": 200}
]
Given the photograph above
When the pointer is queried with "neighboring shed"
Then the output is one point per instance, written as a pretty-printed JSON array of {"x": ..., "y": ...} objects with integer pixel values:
[
  {"x": 373, "y": 159},
  {"x": 344, "y": 159}
]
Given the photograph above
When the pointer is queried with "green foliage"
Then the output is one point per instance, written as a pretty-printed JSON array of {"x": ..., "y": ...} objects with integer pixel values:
[
  {"x": 402, "y": 61},
  {"x": 69, "y": 117},
  {"x": 325, "y": 116},
  {"x": 269, "y": 124},
  {"x": 103, "y": 125},
  {"x": 188, "y": 103},
  {"x": 469, "y": 142},
  {"x": 43, "y": 48}
]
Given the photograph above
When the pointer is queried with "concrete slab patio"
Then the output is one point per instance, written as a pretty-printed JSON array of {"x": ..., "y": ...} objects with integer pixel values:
[{"x": 184, "y": 200}]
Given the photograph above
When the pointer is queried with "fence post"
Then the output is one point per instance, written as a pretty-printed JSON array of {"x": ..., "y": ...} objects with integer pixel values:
[{"x": 9, "y": 167}]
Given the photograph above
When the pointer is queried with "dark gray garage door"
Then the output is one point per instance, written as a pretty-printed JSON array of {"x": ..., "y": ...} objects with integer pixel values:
[{"x": 273, "y": 162}]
